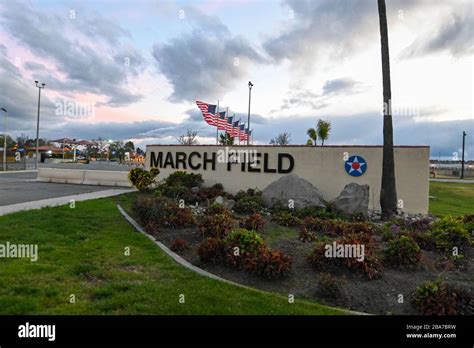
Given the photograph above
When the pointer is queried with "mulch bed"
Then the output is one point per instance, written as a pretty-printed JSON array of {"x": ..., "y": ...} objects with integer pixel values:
[{"x": 379, "y": 296}]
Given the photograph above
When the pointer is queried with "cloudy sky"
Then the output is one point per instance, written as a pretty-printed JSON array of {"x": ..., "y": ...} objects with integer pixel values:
[{"x": 133, "y": 69}]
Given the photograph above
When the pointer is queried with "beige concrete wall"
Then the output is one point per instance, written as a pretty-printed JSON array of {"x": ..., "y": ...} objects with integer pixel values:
[
  {"x": 323, "y": 167},
  {"x": 84, "y": 177}
]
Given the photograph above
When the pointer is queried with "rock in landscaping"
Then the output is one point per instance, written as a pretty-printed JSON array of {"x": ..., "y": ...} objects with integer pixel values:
[
  {"x": 353, "y": 199},
  {"x": 302, "y": 192},
  {"x": 228, "y": 203}
]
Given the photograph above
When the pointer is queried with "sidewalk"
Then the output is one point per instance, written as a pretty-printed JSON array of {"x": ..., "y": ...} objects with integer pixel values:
[{"x": 52, "y": 202}]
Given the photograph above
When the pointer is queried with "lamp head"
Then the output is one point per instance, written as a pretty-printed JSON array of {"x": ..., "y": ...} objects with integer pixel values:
[
  {"x": 250, "y": 84},
  {"x": 3, "y": 109}
]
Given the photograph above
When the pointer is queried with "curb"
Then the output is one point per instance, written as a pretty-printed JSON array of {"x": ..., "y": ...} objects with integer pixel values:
[
  {"x": 56, "y": 201},
  {"x": 196, "y": 269}
]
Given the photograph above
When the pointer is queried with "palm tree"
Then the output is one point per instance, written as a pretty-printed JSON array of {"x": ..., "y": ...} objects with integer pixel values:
[
  {"x": 323, "y": 127},
  {"x": 226, "y": 139},
  {"x": 388, "y": 191},
  {"x": 313, "y": 135}
]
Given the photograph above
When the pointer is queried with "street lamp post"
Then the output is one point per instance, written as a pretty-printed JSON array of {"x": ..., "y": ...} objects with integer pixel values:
[
  {"x": 463, "y": 147},
  {"x": 250, "y": 84},
  {"x": 5, "y": 142},
  {"x": 40, "y": 87}
]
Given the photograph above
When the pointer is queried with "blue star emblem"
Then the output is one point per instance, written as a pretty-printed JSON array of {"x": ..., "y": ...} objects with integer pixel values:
[{"x": 355, "y": 166}]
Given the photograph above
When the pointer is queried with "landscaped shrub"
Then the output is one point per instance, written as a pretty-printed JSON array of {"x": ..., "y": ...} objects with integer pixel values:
[
  {"x": 253, "y": 222},
  {"x": 448, "y": 233},
  {"x": 306, "y": 235},
  {"x": 468, "y": 221},
  {"x": 162, "y": 212},
  {"x": 248, "y": 202},
  {"x": 246, "y": 241},
  {"x": 269, "y": 263},
  {"x": 317, "y": 258},
  {"x": 216, "y": 225},
  {"x": 216, "y": 208},
  {"x": 188, "y": 187},
  {"x": 329, "y": 286},
  {"x": 179, "y": 245},
  {"x": 181, "y": 178},
  {"x": 402, "y": 252},
  {"x": 438, "y": 298},
  {"x": 315, "y": 212},
  {"x": 251, "y": 254},
  {"x": 212, "y": 250},
  {"x": 286, "y": 218},
  {"x": 142, "y": 179},
  {"x": 370, "y": 266},
  {"x": 181, "y": 217}
]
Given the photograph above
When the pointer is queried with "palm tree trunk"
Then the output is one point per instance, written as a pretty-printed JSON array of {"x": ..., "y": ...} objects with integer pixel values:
[{"x": 388, "y": 192}]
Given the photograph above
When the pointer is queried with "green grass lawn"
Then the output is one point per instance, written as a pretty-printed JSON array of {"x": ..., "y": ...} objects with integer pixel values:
[
  {"x": 81, "y": 252},
  {"x": 450, "y": 198}
]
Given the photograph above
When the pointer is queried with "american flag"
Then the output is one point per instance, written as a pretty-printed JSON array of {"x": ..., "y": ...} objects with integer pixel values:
[
  {"x": 229, "y": 127},
  {"x": 242, "y": 134},
  {"x": 208, "y": 112},
  {"x": 236, "y": 129},
  {"x": 222, "y": 121}
]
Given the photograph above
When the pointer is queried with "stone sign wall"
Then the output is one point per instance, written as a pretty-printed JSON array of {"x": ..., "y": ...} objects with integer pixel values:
[{"x": 329, "y": 168}]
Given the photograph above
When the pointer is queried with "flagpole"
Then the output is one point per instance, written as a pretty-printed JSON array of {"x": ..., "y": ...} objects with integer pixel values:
[
  {"x": 217, "y": 124},
  {"x": 226, "y": 116},
  {"x": 239, "y": 129}
]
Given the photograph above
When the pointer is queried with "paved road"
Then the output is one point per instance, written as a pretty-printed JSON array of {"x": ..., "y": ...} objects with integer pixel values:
[{"x": 22, "y": 187}]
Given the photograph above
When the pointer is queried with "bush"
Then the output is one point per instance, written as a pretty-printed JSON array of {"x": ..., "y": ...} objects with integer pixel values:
[
  {"x": 402, "y": 252},
  {"x": 248, "y": 202},
  {"x": 285, "y": 218},
  {"x": 370, "y": 267},
  {"x": 179, "y": 245},
  {"x": 181, "y": 217},
  {"x": 438, "y": 298},
  {"x": 317, "y": 258},
  {"x": 249, "y": 205},
  {"x": 142, "y": 179},
  {"x": 212, "y": 250},
  {"x": 253, "y": 255},
  {"x": 181, "y": 178},
  {"x": 329, "y": 287},
  {"x": 162, "y": 212},
  {"x": 448, "y": 233},
  {"x": 269, "y": 264},
  {"x": 253, "y": 222},
  {"x": 216, "y": 208},
  {"x": 246, "y": 241},
  {"x": 216, "y": 225}
]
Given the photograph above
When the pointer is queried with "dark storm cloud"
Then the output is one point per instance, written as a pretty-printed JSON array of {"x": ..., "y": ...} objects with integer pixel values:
[
  {"x": 324, "y": 27},
  {"x": 345, "y": 85},
  {"x": 314, "y": 101},
  {"x": 201, "y": 64},
  {"x": 19, "y": 97},
  {"x": 455, "y": 35},
  {"x": 86, "y": 69}
]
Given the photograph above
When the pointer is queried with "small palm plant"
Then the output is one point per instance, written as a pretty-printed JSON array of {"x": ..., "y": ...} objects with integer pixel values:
[
  {"x": 324, "y": 127},
  {"x": 313, "y": 136}
]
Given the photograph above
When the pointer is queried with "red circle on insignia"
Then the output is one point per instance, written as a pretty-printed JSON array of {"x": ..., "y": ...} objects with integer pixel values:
[{"x": 355, "y": 165}]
